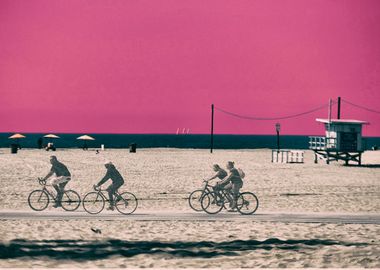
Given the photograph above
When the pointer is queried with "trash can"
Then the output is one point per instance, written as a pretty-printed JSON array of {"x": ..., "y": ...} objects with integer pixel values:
[
  {"x": 14, "y": 148},
  {"x": 132, "y": 148}
]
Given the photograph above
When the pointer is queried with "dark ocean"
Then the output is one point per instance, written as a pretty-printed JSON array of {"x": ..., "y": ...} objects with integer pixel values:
[{"x": 174, "y": 141}]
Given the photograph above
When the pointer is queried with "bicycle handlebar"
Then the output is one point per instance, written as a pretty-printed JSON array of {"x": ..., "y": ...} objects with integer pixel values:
[{"x": 41, "y": 181}]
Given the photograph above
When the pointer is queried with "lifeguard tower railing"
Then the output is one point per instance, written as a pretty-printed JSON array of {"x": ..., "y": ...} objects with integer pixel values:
[{"x": 322, "y": 143}]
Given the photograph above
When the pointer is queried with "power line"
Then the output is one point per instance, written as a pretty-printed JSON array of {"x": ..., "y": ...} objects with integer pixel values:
[
  {"x": 273, "y": 118},
  {"x": 360, "y": 107}
]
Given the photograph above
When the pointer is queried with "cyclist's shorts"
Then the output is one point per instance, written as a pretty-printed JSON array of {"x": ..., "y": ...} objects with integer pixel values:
[{"x": 60, "y": 180}]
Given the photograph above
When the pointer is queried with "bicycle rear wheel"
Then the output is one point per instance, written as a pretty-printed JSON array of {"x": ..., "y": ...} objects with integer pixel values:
[
  {"x": 93, "y": 203},
  {"x": 70, "y": 200},
  {"x": 247, "y": 203},
  {"x": 211, "y": 203},
  {"x": 195, "y": 200},
  {"x": 38, "y": 200},
  {"x": 126, "y": 203}
]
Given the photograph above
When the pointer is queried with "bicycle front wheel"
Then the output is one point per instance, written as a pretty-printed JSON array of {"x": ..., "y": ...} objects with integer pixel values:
[
  {"x": 70, "y": 200},
  {"x": 93, "y": 203},
  {"x": 126, "y": 203},
  {"x": 247, "y": 203},
  {"x": 195, "y": 200},
  {"x": 38, "y": 200},
  {"x": 211, "y": 203}
]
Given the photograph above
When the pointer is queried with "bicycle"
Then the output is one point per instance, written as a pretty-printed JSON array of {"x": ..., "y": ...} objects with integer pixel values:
[
  {"x": 246, "y": 203},
  {"x": 94, "y": 202},
  {"x": 39, "y": 199},
  {"x": 196, "y": 196}
]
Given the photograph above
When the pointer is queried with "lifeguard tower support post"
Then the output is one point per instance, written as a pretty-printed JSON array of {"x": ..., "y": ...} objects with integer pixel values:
[{"x": 343, "y": 141}]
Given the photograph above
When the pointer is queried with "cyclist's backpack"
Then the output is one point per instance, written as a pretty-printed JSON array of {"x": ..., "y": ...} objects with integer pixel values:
[{"x": 241, "y": 173}]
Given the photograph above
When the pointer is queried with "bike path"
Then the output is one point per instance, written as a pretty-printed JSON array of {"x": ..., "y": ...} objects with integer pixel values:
[{"x": 142, "y": 215}]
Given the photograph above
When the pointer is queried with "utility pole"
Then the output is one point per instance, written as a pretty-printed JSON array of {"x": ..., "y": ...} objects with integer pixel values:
[
  {"x": 329, "y": 113},
  {"x": 212, "y": 128},
  {"x": 338, "y": 116}
]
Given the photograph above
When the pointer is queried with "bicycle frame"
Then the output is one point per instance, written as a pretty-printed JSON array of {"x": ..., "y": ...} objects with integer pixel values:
[
  {"x": 100, "y": 192},
  {"x": 50, "y": 194},
  {"x": 206, "y": 188},
  {"x": 223, "y": 194}
]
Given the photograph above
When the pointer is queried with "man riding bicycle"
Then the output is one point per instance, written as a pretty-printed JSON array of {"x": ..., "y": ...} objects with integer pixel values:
[
  {"x": 63, "y": 176},
  {"x": 117, "y": 181},
  {"x": 232, "y": 183}
]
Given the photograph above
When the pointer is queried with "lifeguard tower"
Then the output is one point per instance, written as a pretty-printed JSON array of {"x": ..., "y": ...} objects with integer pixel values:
[{"x": 343, "y": 141}]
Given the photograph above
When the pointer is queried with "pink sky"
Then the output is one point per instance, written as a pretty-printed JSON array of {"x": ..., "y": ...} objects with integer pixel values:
[{"x": 153, "y": 66}]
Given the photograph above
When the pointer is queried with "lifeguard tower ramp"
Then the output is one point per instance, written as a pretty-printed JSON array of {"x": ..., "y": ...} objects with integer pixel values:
[{"x": 343, "y": 141}]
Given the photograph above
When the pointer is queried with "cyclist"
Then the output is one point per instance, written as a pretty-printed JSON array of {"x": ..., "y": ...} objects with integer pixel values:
[
  {"x": 232, "y": 183},
  {"x": 220, "y": 173},
  {"x": 117, "y": 181},
  {"x": 63, "y": 176}
]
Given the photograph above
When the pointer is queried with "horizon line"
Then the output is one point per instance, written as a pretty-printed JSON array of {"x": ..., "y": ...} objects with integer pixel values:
[{"x": 174, "y": 134}]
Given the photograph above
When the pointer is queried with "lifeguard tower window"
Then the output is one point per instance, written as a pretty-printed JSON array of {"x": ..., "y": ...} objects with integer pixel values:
[{"x": 348, "y": 141}]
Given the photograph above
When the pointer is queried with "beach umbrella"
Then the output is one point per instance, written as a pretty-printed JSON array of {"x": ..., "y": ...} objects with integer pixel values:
[
  {"x": 51, "y": 136},
  {"x": 85, "y": 138},
  {"x": 17, "y": 136}
]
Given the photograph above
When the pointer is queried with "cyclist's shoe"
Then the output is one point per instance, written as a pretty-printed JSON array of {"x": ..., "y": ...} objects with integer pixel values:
[
  {"x": 111, "y": 208},
  {"x": 219, "y": 203},
  {"x": 232, "y": 210},
  {"x": 56, "y": 205},
  {"x": 232, "y": 205}
]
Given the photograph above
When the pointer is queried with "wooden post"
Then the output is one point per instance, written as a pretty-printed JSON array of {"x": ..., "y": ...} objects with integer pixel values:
[
  {"x": 278, "y": 141},
  {"x": 212, "y": 128},
  {"x": 338, "y": 116},
  {"x": 327, "y": 158},
  {"x": 278, "y": 127}
]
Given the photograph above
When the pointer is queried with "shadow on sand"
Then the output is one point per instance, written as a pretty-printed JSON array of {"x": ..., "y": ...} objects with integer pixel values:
[
  {"x": 364, "y": 165},
  {"x": 94, "y": 250}
]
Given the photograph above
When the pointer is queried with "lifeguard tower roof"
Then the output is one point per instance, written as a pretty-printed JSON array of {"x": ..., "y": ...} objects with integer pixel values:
[{"x": 342, "y": 121}]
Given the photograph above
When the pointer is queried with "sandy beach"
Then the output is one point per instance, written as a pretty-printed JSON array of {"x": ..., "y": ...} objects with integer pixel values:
[{"x": 162, "y": 180}]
